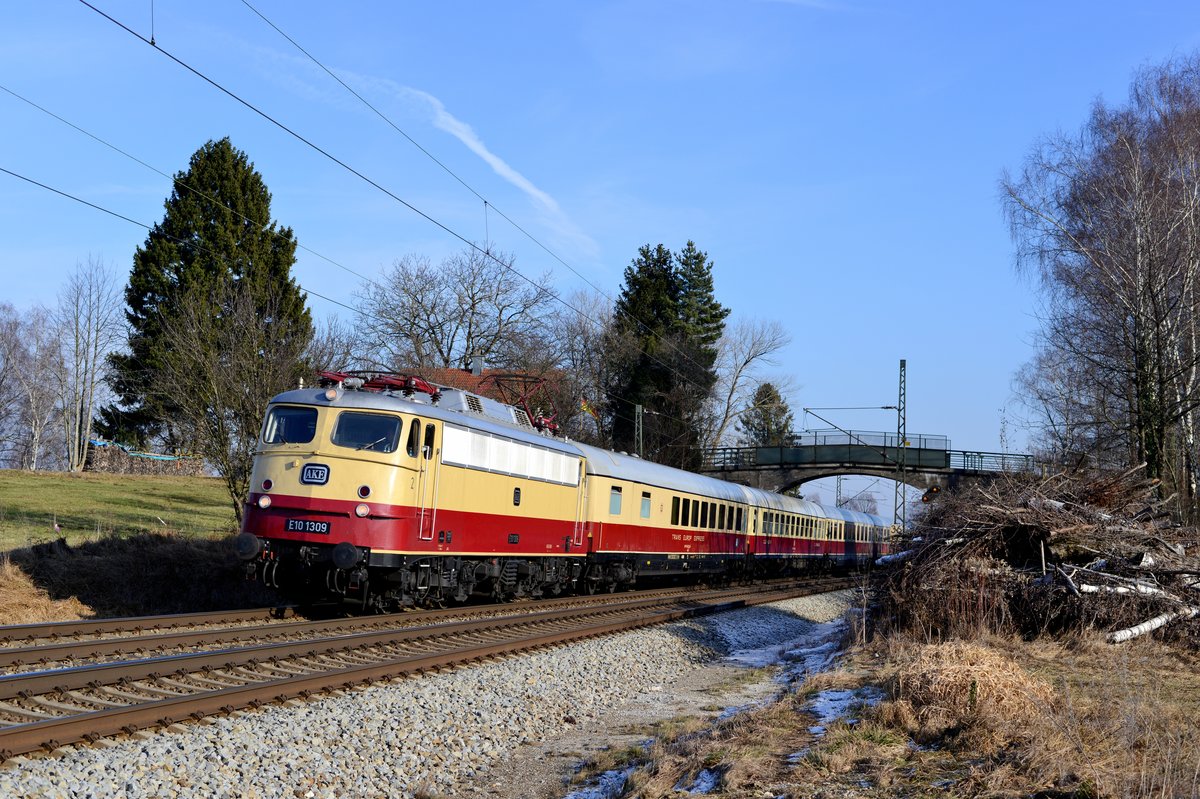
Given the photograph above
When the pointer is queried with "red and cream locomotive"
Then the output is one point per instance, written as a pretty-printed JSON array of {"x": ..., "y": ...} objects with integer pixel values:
[{"x": 385, "y": 491}]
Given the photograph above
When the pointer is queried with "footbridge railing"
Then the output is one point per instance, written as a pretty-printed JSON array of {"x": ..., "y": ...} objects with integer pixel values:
[{"x": 869, "y": 450}]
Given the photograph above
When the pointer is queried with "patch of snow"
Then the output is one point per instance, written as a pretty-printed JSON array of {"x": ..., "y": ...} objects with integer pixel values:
[
  {"x": 706, "y": 782},
  {"x": 608, "y": 785},
  {"x": 836, "y": 703}
]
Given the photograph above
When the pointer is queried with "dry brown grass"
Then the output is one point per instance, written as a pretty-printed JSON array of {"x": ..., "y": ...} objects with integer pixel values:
[
  {"x": 23, "y": 602},
  {"x": 995, "y": 717},
  {"x": 958, "y": 687},
  {"x": 1006, "y": 717}
]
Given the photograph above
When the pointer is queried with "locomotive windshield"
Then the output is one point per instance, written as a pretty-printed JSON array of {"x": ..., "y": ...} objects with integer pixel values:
[
  {"x": 367, "y": 431},
  {"x": 290, "y": 425}
]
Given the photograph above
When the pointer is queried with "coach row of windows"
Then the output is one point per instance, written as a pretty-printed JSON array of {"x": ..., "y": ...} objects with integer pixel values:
[
  {"x": 704, "y": 515},
  {"x": 791, "y": 525}
]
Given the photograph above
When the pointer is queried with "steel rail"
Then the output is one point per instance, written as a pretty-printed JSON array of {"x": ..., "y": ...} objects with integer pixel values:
[
  {"x": 101, "y": 647},
  {"x": 63, "y": 629},
  {"x": 90, "y": 726},
  {"x": 74, "y": 678}
]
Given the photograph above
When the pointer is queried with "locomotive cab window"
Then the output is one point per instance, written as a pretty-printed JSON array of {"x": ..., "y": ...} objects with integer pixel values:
[
  {"x": 414, "y": 438},
  {"x": 367, "y": 431},
  {"x": 614, "y": 501},
  {"x": 290, "y": 425},
  {"x": 428, "y": 448}
]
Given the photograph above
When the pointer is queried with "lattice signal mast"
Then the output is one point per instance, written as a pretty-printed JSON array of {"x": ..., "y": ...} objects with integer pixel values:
[{"x": 900, "y": 512}]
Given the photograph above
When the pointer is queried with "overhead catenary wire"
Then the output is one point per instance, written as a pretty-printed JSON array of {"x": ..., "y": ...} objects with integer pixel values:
[
  {"x": 157, "y": 171},
  {"x": 370, "y": 181},
  {"x": 148, "y": 227},
  {"x": 132, "y": 221},
  {"x": 323, "y": 152}
]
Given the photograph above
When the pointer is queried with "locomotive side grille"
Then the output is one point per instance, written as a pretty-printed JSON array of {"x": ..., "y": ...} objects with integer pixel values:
[
  {"x": 473, "y": 403},
  {"x": 522, "y": 418}
]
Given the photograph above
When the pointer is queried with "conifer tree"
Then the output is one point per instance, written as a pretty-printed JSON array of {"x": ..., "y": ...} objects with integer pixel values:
[
  {"x": 216, "y": 234},
  {"x": 767, "y": 421},
  {"x": 665, "y": 332}
]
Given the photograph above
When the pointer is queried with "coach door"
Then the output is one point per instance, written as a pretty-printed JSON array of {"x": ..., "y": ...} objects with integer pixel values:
[{"x": 429, "y": 459}]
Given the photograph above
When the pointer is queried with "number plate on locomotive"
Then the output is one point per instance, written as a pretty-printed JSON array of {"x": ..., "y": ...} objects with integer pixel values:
[{"x": 305, "y": 526}]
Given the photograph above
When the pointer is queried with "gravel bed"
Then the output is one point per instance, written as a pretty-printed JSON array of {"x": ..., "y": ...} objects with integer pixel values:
[{"x": 431, "y": 734}]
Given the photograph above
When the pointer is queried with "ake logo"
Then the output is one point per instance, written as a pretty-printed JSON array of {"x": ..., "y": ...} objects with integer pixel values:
[{"x": 314, "y": 474}]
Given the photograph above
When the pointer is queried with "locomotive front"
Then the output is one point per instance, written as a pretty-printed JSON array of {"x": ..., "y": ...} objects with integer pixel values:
[{"x": 337, "y": 484}]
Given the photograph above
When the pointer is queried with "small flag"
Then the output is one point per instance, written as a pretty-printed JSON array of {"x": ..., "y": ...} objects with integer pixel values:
[{"x": 587, "y": 408}]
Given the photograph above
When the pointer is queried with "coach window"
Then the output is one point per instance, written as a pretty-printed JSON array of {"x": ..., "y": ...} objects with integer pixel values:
[
  {"x": 712, "y": 515},
  {"x": 414, "y": 438},
  {"x": 614, "y": 501},
  {"x": 645, "y": 504},
  {"x": 721, "y": 518},
  {"x": 674, "y": 510},
  {"x": 704, "y": 514},
  {"x": 687, "y": 512},
  {"x": 738, "y": 526},
  {"x": 695, "y": 513}
]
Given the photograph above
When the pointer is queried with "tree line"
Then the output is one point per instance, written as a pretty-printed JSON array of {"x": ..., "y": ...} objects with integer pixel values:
[
  {"x": 211, "y": 323},
  {"x": 1107, "y": 221}
]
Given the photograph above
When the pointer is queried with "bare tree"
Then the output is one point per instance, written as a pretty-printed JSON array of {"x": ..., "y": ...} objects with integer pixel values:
[
  {"x": 89, "y": 325},
  {"x": 579, "y": 332},
  {"x": 11, "y": 402},
  {"x": 420, "y": 316},
  {"x": 334, "y": 348},
  {"x": 221, "y": 370},
  {"x": 37, "y": 363},
  {"x": 743, "y": 351},
  {"x": 1110, "y": 222}
]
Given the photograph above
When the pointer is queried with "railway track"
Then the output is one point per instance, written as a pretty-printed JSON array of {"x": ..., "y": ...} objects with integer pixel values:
[
  {"x": 45, "y": 709},
  {"x": 24, "y": 647}
]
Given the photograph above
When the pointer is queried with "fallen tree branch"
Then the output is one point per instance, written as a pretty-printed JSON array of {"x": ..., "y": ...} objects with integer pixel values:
[{"x": 1150, "y": 625}]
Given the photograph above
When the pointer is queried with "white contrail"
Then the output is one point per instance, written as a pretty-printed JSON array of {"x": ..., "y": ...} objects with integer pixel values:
[{"x": 445, "y": 121}]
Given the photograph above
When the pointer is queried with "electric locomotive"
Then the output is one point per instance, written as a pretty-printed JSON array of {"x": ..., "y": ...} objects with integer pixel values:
[{"x": 386, "y": 491}]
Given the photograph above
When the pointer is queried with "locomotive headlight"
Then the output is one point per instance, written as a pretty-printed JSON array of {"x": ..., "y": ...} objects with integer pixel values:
[
  {"x": 331, "y": 394},
  {"x": 364, "y": 491},
  {"x": 264, "y": 502},
  {"x": 360, "y": 510}
]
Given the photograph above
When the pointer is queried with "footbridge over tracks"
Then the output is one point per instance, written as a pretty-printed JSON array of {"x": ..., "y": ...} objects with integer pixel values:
[{"x": 928, "y": 461}]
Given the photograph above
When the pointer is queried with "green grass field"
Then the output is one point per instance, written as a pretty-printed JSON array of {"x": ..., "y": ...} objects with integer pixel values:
[
  {"x": 89, "y": 506},
  {"x": 135, "y": 545}
]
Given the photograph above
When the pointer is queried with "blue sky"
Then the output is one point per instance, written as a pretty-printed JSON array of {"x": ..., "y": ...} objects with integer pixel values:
[{"x": 838, "y": 160}]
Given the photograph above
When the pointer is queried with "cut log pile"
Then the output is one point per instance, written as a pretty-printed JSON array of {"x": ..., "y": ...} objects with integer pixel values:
[{"x": 1046, "y": 555}]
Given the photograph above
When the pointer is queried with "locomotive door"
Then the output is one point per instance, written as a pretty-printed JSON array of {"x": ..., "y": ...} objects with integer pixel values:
[
  {"x": 580, "y": 508},
  {"x": 429, "y": 459}
]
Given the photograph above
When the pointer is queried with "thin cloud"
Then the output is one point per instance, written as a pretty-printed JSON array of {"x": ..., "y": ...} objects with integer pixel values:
[
  {"x": 551, "y": 212},
  {"x": 445, "y": 121}
]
